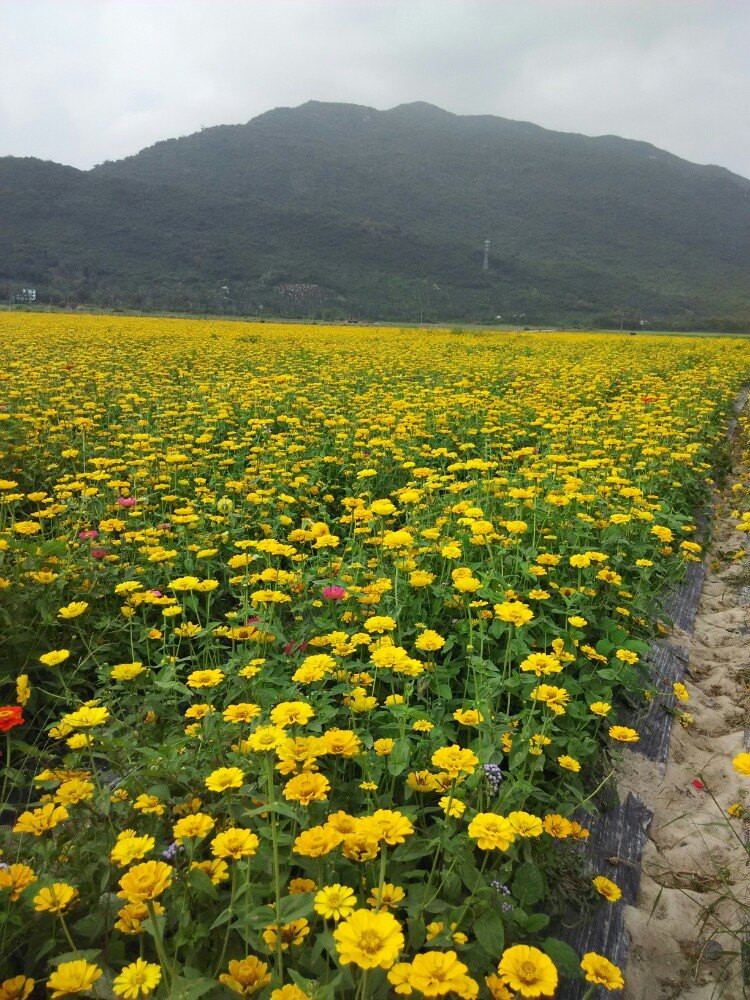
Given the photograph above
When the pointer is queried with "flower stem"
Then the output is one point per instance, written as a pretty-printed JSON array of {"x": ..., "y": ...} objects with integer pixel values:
[{"x": 159, "y": 941}]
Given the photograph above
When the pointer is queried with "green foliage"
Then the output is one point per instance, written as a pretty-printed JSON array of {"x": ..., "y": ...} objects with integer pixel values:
[{"x": 333, "y": 210}]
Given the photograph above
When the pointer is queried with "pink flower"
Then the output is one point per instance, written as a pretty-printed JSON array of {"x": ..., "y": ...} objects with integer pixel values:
[
  {"x": 334, "y": 593},
  {"x": 88, "y": 535},
  {"x": 155, "y": 593},
  {"x": 126, "y": 501},
  {"x": 98, "y": 553}
]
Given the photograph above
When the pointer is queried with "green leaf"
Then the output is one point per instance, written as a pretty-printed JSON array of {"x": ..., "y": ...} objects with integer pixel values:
[
  {"x": 536, "y": 922},
  {"x": 189, "y": 989},
  {"x": 489, "y": 931},
  {"x": 399, "y": 756},
  {"x": 528, "y": 884},
  {"x": 293, "y": 907},
  {"x": 564, "y": 957}
]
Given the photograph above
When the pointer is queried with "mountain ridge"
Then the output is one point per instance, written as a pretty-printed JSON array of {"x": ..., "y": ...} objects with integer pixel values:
[{"x": 385, "y": 214}]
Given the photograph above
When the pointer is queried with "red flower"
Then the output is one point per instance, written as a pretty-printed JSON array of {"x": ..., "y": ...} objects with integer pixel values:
[
  {"x": 10, "y": 716},
  {"x": 292, "y": 646},
  {"x": 698, "y": 784}
]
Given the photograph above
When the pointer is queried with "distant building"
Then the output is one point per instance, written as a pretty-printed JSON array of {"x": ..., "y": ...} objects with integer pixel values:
[{"x": 25, "y": 295}]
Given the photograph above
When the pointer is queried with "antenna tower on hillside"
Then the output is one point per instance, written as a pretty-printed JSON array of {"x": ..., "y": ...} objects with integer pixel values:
[{"x": 486, "y": 261}]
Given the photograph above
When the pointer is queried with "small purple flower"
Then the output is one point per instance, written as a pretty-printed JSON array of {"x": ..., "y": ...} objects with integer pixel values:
[
  {"x": 493, "y": 775},
  {"x": 499, "y": 887},
  {"x": 171, "y": 852}
]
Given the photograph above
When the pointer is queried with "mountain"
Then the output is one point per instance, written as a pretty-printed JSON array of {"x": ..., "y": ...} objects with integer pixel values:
[{"x": 340, "y": 210}]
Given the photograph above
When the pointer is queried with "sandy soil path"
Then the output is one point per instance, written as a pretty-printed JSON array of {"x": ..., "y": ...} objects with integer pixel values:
[{"x": 682, "y": 945}]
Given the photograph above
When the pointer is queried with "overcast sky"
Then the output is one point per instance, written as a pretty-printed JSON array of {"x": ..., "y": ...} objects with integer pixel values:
[{"x": 82, "y": 81}]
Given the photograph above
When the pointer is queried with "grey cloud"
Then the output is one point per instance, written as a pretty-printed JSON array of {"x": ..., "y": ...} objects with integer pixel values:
[{"x": 86, "y": 80}]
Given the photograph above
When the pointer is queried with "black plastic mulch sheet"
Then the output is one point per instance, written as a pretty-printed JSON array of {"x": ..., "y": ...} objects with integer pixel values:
[{"x": 618, "y": 835}]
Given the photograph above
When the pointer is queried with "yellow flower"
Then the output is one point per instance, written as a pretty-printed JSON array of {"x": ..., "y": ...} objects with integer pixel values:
[
  {"x": 73, "y": 610},
  {"x": 317, "y": 841},
  {"x": 423, "y": 726},
  {"x": 452, "y": 807},
  {"x": 680, "y": 691},
  {"x": 73, "y": 977},
  {"x": 600, "y": 708},
  {"x": 300, "y": 885},
  {"x": 247, "y": 976},
  {"x": 235, "y": 842},
  {"x": 246, "y": 711},
  {"x": 525, "y": 824},
  {"x": 291, "y": 713},
  {"x": 369, "y": 940},
  {"x": 601, "y": 971},
  {"x": 626, "y": 656},
  {"x": 379, "y": 624},
  {"x": 137, "y": 979},
  {"x": 388, "y": 825},
  {"x": 491, "y": 832},
  {"x": 569, "y": 763},
  {"x": 623, "y": 734},
  {"x": 130, "y": 848},
  {"x": 292, "y": 934},
  {"x": 18, "y": 988},
  {"x": 55, "y": 899},
  {"x": 468, "y": 716},
  {"x": 455, "y": 761},
  {"x": 86, "y": 717},
  {"x": 497, "y": 989},
  {"x": 528, "y": 971},
  {"x": 149, "y": 805},
  {"x": 73, "y": 791},
  {"x": 741, "y": 764},
  {"x": 265, "y": 739},
  {"x": 54, "y": 657},
  {"x": 383, "y": 747},
  {"x": 541, "y": 664},
  {"x": 514, "y": 613},
  {"x": 205, "y": 678},
  {"x": 341, "y": 742},
  {"x": 429, "y": 641},
  {"x": 197, "y": 825},
  {"x": 132, "y": 915},
  {"x": 306, "y": 788},
  {"x": 386, "y": 897},
  {"x": 39, "y": 821},
  {"x": 435, "y": 973},
  {"x": 145, "y": 882},
  {"x": 127, "y": 671},
  {"x": 16, "y": 877},
  {"x": 290, "y": 992},
  {"x": 606, "y": 888},
  {"x": 23, "y": 689},
  {"x": 216, "y": 869},
  {"x": 557, "y": 826},
  {"x": 333, "y": 902},
  {"x": 224, "y": 778}
]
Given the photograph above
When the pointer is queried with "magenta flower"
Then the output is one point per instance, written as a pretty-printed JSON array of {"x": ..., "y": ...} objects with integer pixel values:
[{"x": 334, "y": 593}]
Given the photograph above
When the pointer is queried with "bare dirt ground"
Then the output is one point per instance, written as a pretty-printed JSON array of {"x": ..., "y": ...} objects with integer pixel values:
[{"x": 685, "y": 927}]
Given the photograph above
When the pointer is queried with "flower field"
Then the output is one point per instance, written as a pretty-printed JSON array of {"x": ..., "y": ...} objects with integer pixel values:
[{"x": 319, "y": 644}]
